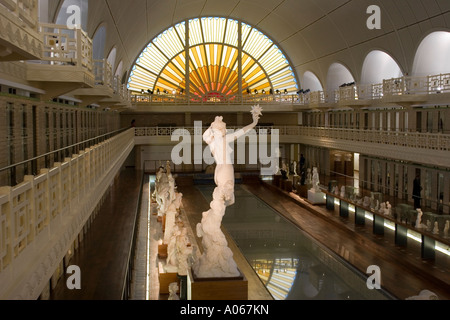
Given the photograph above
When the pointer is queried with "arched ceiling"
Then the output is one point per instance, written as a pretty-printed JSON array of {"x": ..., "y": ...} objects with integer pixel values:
[{"x": 313, "y": 33}]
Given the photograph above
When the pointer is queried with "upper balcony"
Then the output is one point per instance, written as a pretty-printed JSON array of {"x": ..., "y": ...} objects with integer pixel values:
[
  {"x": 66, "y": 62},
  {"x": 62, "y": 64},
  {"x": 107, "y": 90},
  {"x": 19, "y": 30},
  {"x": 405, "y": 91}
]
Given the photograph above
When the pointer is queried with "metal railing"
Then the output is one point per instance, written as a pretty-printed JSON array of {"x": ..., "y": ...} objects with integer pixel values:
[
  {"x": 72, "y": 149},
  {"x": 424, "y": 141}
]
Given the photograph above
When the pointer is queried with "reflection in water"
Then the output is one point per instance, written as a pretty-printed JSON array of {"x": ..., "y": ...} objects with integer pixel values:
[{"x": 290, "y": 264}]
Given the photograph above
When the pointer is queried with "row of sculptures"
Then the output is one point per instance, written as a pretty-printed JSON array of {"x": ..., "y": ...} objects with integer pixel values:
[{"x": 168, "y": 204}]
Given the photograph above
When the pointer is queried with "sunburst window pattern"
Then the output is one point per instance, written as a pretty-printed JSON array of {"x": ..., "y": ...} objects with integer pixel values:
[{"x": 214, "y": 61}]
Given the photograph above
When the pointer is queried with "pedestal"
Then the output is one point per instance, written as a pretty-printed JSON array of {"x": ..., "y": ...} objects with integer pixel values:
[
  {"x": 302, "y": 191},
  {"x": 162, "y": 251},
  {"x": 216, "y": 288},
  {"x": 166, "y": 278},
  {"x": 288, "y": 186},
  {"x": 316, "y": 197}
]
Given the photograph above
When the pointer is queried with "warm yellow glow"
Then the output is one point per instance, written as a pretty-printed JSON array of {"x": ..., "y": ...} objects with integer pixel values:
[{"x": 213, "y": 68}]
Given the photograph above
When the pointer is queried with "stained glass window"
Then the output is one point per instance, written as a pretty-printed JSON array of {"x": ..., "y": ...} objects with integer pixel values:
[{"x": 214, "y": 64}]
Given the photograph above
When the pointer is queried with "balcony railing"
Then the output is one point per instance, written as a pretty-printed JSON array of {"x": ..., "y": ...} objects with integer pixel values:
[
  {"x": 64, "y": 46},
  {"x": 25, "y": 10},
  {"x": 423, "y": 141},
  {"x": 404, "y": 86}
]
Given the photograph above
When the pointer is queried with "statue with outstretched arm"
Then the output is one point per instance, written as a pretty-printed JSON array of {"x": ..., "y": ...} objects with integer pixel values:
[
  {"x": 217, "y": 258},
  {"x": 219, "y": 143}
]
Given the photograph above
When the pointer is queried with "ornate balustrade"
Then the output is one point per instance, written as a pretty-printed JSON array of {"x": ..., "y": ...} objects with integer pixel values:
[
  {"x": 41, "y": 218},
  {"x": 103, "y": 73},
  {"x": 64, "y": 46},
  {"x": 25, "y": 10},
  {"x": 19, "y": 27},
  {"x": 415, "y": 140},
  {"x": 403, "y": 86}
]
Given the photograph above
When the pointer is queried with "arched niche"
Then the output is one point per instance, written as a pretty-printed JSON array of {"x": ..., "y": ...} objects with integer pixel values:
[
  {"x": 379, "y": 66},
  {"x": 432, "y": 56},
  {"x": 112, "y": 57},
  {"x": 98, "y": 43},
  {"x": 338, "y": 75},
  {"x": 119, "y": 69},
  {"x": 311, "y": 82}
]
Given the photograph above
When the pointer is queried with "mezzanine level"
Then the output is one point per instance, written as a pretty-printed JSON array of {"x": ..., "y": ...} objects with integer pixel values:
[
  {"x": 405, "y": 92},
  {"x": 59, "y": 60},
  {"x": 426, "y": 148}
]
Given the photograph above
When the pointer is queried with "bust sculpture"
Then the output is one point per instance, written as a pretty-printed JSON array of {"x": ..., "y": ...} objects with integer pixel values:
[
  {"x": 173, "y": 289},
  {"x": 217, "y": 258},
  {"x": 436, "y": 228}
]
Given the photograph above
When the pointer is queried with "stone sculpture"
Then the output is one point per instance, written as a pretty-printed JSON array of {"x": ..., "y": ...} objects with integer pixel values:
[
  {"x": 315, "y": 180},
  {"x": 446, "y": 228},
  {"x": 419, "y": 219},
  {"x": 173, "y": 289},
  {"x": 436, "y": 228},
  {"x": 388, "y": 209},
  {"x": 217, "y": 258},
  {"x": 424, "y": 295},
  {"x": 171, "y": 214}
]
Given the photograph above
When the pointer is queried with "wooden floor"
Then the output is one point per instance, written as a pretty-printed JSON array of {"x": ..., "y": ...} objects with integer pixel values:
[
  {"x": 102, "y": 256},
  {"x": 403, "y": 272}
]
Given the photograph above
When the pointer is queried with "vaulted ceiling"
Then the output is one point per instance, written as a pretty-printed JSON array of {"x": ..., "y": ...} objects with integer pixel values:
[{"x": 313, "y": 33}]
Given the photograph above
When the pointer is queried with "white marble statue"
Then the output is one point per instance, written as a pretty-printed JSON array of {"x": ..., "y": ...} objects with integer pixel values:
[
  {"x": 424, "y": 295},
  {"x": 382, "y": 209},
  {"x": 171, "y": 214},
  {"x": 172, "y": 259},
  {"x": 173, "y": 289},
  {"x": 184, "y": 250},
  {"x": 436, "y": 228},
  {"x": 446, "y": 228},
  {"x": 388, "y": 210},
  {"x": 178, "y": 250},
  {"x": 295, "y": 168},
  {"x": 419, "y": 219},
  {"x": 366, "y": 202},
  {"x": 217, "y": 258},
  {"x": 315, "y": 180},
  {"x": 343, "y": 192},
  {"x": 336, "y": 190},
  {"x": 308, "y": 176},
  {"x": 377, "y": 206}
]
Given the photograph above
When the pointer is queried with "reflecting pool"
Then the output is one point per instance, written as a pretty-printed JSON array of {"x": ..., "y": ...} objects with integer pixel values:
[{"x": 289, "y": 262}]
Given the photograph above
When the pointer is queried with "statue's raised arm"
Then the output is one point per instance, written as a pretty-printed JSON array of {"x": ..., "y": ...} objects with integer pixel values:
[{"x": 256, "y": 114}]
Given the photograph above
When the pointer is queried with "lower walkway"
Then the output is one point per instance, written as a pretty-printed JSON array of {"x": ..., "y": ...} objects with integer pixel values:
[{"x": 103, "y": 254}]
